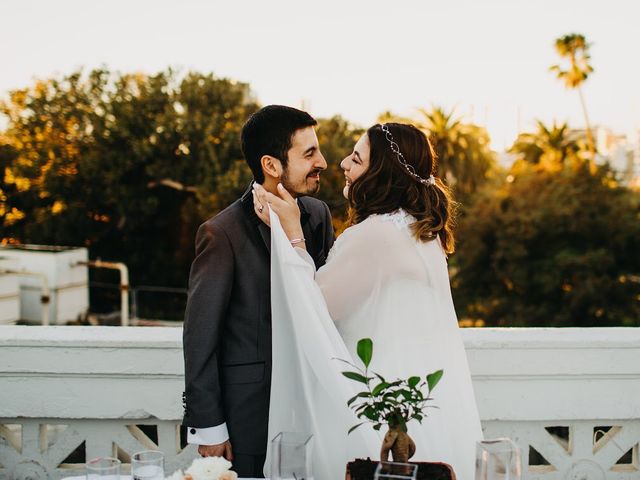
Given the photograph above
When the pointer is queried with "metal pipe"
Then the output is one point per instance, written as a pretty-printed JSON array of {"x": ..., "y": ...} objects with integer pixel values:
[
  {"x": 124, "y": 285},
  {"x": 45, "y": 296}
]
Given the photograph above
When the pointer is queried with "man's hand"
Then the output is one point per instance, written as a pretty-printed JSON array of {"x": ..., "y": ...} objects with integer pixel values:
[{"x": 220, "y": 450}]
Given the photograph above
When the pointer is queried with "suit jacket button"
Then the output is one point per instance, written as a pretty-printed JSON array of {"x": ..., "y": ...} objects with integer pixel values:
[{"x": 193, "y": 431}]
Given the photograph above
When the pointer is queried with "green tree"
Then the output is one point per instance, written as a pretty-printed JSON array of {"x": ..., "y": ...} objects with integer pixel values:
[
  {"x": 574, "y": 48},
  {"x": 549, "y": 145},
  {"x": 337, "y": 138},
  {"x": 126, "y": 164},
  {"x": 10, "y": 188},
  {"x": 465, "y": 159},
  {"x": 551, "y": 247},
  {"x": 464, "y": 155}
]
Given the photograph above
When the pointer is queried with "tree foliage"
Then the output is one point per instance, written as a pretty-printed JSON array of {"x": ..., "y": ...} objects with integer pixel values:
[
  {"x": 126, "y": 164},
  {"x": 550, "y": 146},
  {"x": 574, "y": 49},
  {"x": 464, "y": 156},
  {"x": 129, "y": 165},
  {"x": 337, "y": 138},
  {"x": 551, "y": 247}
]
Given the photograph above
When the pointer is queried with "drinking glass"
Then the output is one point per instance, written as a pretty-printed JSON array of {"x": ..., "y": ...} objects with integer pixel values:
[
  {"x": 396, "y": 471},
  {"x": 103, "y": 468},
  {"x": 147, "y": 465},
  {"x": 498, "y": 459},
  {"x": 291, "y": 456}
]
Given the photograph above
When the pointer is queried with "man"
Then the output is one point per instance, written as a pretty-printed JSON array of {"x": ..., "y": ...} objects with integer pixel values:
[{"x": 227, "y": 328}]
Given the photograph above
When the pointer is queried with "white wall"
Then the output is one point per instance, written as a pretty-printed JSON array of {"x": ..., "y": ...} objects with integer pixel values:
[{"x": 102, "y": 380}]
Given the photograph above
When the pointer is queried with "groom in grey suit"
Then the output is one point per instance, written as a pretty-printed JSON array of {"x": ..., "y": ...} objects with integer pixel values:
[{"x": 227, "y": 327}]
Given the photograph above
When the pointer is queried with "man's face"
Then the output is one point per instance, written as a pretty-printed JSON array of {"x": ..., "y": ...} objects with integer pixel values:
[{"x": 305, "y": 162}]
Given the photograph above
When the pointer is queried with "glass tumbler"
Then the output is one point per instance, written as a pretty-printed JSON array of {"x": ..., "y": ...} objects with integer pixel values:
[
  {"x": 498, "y": 459},
  {"x": 291, "y": 456},
  {"x": 147, "y": 465},
  {"x": 103, "y": 468}
]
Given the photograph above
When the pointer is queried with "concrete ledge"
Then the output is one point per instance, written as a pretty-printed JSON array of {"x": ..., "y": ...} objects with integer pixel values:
[{"x": 121, "y": 372}]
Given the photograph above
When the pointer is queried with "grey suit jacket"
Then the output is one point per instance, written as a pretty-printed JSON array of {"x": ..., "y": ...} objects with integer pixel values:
[{"x": 227, "y": 326}]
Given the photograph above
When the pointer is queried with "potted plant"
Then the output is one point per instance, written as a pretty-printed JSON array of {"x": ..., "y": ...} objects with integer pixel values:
[{"x": 394, "y": 404}]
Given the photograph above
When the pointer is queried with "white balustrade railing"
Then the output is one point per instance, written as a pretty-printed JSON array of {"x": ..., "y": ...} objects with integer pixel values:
[{"x": 570, "y": 398}]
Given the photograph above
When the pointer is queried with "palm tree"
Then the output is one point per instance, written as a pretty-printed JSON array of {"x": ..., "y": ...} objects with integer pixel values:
[
  {"x": 463, "y": 150},
  {"x": 575, "y": 48},
  {"x": 551, "y": 146}
]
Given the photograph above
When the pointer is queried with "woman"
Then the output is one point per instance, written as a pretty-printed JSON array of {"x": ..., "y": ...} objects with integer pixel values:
[{"x": 386, "y": 278}]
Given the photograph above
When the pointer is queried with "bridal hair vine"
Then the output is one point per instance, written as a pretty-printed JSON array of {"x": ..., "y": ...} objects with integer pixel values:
[{"x": 410, "y": 169}]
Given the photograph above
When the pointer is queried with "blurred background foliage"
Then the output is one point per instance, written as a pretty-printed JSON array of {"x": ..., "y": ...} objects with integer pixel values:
[{"x": 128, "y": 165}]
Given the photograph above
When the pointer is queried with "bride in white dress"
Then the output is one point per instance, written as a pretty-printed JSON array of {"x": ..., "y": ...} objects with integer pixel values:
[{"x": 386, "y": 279}]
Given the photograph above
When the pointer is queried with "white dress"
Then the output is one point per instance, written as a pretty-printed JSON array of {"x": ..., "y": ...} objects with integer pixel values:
[{"x": 380, "y": 283}]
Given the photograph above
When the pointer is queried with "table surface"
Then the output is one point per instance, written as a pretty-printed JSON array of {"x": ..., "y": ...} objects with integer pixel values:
[{"x": 128, "y": 477}]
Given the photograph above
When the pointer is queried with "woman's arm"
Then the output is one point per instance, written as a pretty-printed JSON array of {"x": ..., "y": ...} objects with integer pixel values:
[{"x": 361, "y": 260}]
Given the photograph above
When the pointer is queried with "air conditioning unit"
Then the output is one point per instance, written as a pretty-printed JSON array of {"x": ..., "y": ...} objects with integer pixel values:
[{"x": 66, "y": 276}]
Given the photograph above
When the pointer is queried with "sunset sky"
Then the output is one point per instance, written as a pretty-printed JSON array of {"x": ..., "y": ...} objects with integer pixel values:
[{"x": 488, "y": 59}]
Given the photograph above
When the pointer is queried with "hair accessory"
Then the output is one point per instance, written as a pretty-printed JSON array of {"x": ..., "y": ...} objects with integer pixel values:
[{"x": 396, "y": 149}]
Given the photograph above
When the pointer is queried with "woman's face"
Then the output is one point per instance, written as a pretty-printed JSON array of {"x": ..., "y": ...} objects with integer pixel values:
[{"x": 356, "y": 163}]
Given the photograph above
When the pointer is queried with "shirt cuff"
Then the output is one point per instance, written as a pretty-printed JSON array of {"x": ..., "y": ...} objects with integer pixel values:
[{"x": 208, "y": 436}]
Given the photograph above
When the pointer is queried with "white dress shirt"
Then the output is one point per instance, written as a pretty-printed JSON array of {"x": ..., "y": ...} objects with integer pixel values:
[{"x": 208, "y": 436}]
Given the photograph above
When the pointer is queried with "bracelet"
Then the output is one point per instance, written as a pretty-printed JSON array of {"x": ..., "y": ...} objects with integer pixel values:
[{"x": 296, "y": 241}]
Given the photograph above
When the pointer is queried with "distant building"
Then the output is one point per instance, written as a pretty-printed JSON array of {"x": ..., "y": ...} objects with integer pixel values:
[{"x": 620, "y": 151}]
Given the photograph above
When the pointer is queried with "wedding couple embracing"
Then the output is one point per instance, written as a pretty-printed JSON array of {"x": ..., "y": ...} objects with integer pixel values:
[{"x": 273, "y": 301}]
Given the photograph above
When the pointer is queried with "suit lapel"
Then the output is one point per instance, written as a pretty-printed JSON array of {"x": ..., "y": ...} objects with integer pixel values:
[
  {"x": 306, "y": 226},
  {"x": 265, "y": 233},
  {"x": 256, "y": 224}
]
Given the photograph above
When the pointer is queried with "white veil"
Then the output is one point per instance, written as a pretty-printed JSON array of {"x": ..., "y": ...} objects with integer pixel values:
[{"x": 308, "y": 392}]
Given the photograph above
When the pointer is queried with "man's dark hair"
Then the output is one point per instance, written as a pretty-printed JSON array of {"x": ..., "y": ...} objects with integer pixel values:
[{"x": 269, "y": 132}]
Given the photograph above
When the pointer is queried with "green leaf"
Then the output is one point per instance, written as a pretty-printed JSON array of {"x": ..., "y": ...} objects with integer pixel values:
[
  {"x": 365, "y": 350},
  {"x": 434, "y": 378},
  {"x": 380, "y": 377},
  {"x": 356, "y": 377},
  {"x": 354, "y": 427},
  {"x": 413, "y": 381},
  {"x": 388, "y": 401},
  {"x": 371, "y": 413},
  {"x": 406, "y": 394},
  {"x": 360, "y": 395},
  {"x": 378, "y": 388},
  {"x": 377, "y": 426}
]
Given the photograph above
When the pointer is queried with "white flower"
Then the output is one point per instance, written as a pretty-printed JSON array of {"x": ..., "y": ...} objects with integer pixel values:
[
  {"x": 177, "y": 475},
  {"x": 229, "y": 475},
  {"x": 208, "y": 468}
]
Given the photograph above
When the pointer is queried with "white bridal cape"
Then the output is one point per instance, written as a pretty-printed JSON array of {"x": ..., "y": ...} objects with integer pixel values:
[{"x": 380, "y": 283}]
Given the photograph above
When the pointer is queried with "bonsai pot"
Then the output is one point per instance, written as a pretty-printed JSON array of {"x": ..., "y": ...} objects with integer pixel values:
[{"x": 360, "y": 469}]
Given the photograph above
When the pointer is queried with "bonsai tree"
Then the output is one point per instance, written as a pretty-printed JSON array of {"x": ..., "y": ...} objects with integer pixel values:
[{"x": 391, "y": 403}]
